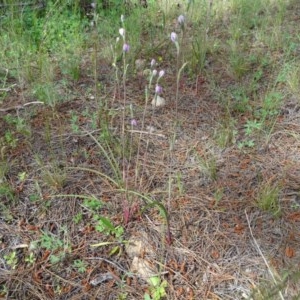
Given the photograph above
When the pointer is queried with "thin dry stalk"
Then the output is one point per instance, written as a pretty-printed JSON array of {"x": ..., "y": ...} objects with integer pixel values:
[{"x": 262, "y": 255}]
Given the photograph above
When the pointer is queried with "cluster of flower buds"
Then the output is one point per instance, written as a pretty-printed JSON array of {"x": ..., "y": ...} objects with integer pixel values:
[
  {"x": 174, "y": 36},
  {"x": 161, "y": 73},
  {"x": 126, "y": 47}
]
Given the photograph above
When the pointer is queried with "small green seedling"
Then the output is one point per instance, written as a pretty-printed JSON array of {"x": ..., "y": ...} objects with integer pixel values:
[
  {"x": 22, "y": 176},
  {"x": 157, "y": 289},
  {"x": 11, "y": 259},
  {"x": 77, "y": 218},
  {"x": 92, "y": 204},
  {"x": 79, "y": 265},
  {"x": 104, "y": 225},
  {"x": 252, "y": 126},
  {"x": 30, "y": 259},
  {"x": 246, "y": 144}
]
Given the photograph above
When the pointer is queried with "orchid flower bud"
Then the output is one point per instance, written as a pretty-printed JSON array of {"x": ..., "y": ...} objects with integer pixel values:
[
  {"x": 126, "y": 47},
  {"x": 153, "y": 62},
  {"x": 122, "y": 32},
  {"x": 181, "y": 20},
  {"x": 161, "y": 74},
  {"x": 174, "y": 37},
  {"x": 158, "y": 89},
  {"x": 154, "y": 73},
  {"x": 133, "y": 122}
]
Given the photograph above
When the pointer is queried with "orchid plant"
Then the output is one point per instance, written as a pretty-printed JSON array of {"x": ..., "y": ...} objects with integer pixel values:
[{"x": 174, "y": 39}]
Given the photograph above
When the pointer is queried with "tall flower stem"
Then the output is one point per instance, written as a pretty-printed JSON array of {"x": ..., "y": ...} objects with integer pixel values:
[
  {"x": 125, "y": 49},
  {"x": 177, "y": 82},
  {"x": 179, "y": 71}
]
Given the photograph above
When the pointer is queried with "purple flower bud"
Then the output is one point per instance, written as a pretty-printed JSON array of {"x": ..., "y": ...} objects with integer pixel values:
[
  {"x": 161, "y": 73},
  {"x": 122, "y": 32},
  {"x": 153, "y": 62},
  {"x": 158, "y": 89},
  {"x": 154, "y": 73},
  {"x": 181, "y": 19},
  {"x": 174, "y": 37},
  {"x": 126, "y": 47},
  {"x": 133, "y": 122}
]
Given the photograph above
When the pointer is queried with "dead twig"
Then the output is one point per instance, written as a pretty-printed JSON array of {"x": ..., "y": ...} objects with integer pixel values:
[
  {"x": 262, "y": 255},
  {"x": 20, "y": 106},
  {"x": 7, "y": 89}
]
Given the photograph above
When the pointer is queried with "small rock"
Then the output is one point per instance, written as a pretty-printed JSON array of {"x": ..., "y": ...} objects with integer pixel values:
[
  {"x": 158, "y": 101},
  {"x": 139, "y": 245},
  {"x": 135, "y": 248},
  {"x": 142, "y": 267},
  {"x": 101, "y": 278}
]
